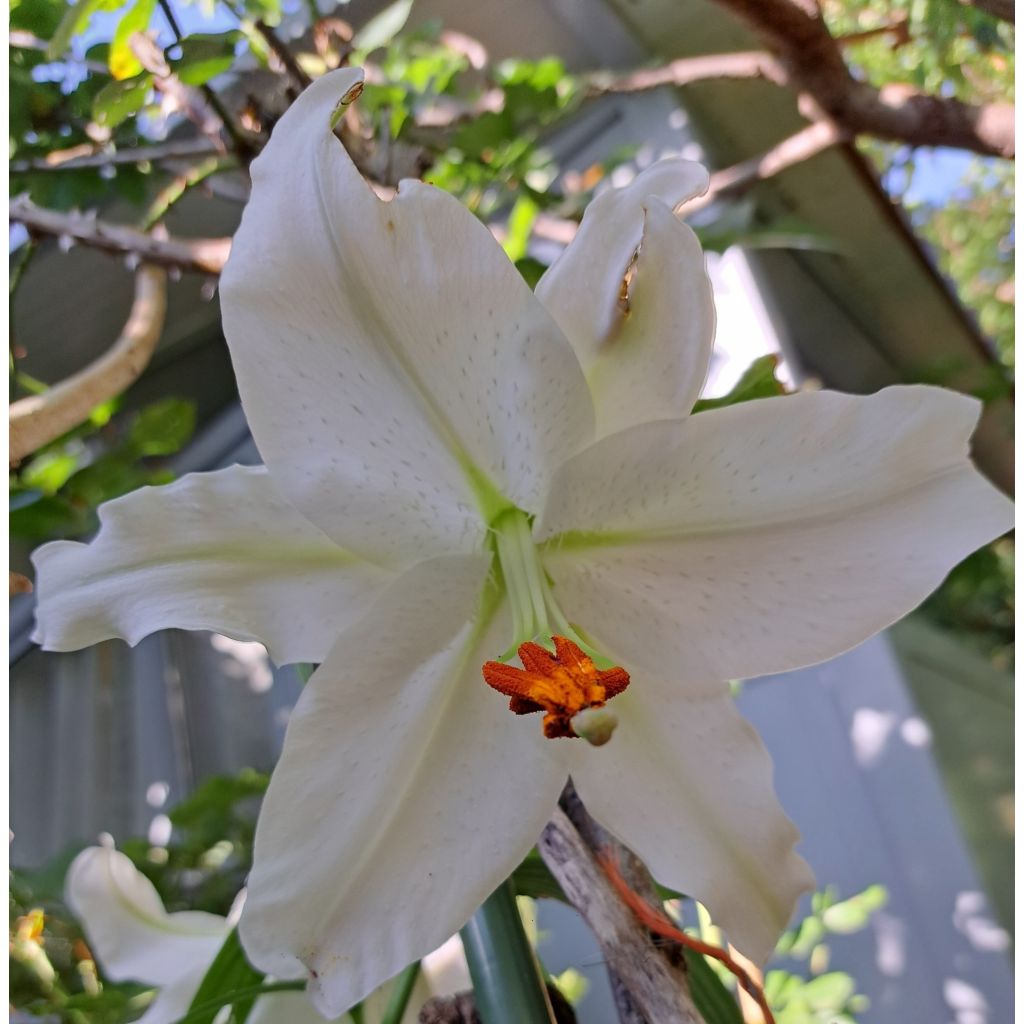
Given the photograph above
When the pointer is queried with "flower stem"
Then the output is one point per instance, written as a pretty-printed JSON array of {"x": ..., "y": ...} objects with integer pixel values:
[
  {"x": 507, "y": 982},
  {"x": 400, "y": 994}
]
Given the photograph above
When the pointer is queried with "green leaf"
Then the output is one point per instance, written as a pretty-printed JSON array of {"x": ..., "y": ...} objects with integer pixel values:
[
  {"x": 383, "y": 27},
  {"x": 852, "y": 915},
  {"x": 204, "y": 56},
  {"x": 108, "y": 477},
  {"x": 229, "y": 972},
  {"x": 717, "y": 1005},
  {"x": 758, "y": 381},
  {"x": 829, "y": 992},
  {"x": 49, "y": 471},
  {"x": 532, "y": 878},
  {"x": 520, "y": 224},
  {"x": 75, "y": 21},
  {"x": 47, "y": 516},
  {"x": 163, "y": 428},
  {"x": 212, "y": 803},
  {"x": 122, "y": 61},
  {"x": 118, "y": 100}
]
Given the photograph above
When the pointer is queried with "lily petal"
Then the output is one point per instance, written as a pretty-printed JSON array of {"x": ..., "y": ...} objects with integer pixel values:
[
  {"x": 769, "y": 535},
  {"x": 709, "y": 823},
  {"x": 173, "y": 1000},
  {"x": 405, "y": 794},
  {"x": 396, "y": 370},
  {"x": 129, "y": 931},
  {"x": 650, "y": 362},
  {"x": 216, "y": 551}
]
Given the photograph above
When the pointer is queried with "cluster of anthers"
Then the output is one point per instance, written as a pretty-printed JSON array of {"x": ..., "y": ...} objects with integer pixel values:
[
  {"x": 567, "y": 686},
  {"x": 565, "y": 681}
]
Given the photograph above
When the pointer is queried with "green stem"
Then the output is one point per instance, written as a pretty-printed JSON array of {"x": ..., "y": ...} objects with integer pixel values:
[
  {"x": 178, "y": 188},
  {"x": 507, "y": 983},
  {"x": 240, "y": 993},
  {"x": 400, "y": 994}
]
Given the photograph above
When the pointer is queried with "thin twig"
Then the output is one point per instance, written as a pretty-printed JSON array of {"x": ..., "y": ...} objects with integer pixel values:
[
  {"x": 39, "y": 419},
  {"x": 21, "y": 262},
  {"x": 241, "y": 145},
  {"x": 177, "y": 150},
  {"x": 277, "y": 46},
  {"x": 792, "y": 150},
  {"x": 199, "y": 255},
  {"x": 686, "y": 71},
  {"x": 179, "y": 187}
]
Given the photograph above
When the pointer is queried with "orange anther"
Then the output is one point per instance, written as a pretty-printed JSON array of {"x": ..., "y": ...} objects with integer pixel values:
[{"x": 560, "y": 684}]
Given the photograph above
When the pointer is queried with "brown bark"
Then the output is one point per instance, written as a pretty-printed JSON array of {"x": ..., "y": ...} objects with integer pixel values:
[
  {"x": 658, "y": 990},
  {"x": 796, "y": 32}
]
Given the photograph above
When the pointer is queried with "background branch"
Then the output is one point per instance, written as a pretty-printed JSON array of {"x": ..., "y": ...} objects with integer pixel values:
[
  {"x": 796, "y": 32},
  {"x": 39, "y": 419},
  {"x": 200, "y": 255}
]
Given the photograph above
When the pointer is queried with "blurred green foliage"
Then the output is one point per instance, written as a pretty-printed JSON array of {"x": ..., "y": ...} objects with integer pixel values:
[{"x": 55, "y": 493}]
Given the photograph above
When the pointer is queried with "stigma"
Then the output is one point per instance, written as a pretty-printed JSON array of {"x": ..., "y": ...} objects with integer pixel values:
[{"x": 567, "y": 686}]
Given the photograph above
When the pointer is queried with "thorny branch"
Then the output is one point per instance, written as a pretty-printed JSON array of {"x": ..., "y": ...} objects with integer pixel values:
[
  {"x": 199, "y": 255},
  {"x": 39, "y": 419}
]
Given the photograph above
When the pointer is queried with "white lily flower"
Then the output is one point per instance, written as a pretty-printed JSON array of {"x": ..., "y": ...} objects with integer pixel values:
[
  {"x": 455, "y": 466},
  {"x": 133, "y": 938}
]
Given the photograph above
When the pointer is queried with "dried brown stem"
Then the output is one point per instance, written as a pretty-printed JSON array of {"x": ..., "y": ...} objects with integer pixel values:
[{"x": 39, "y": 419}]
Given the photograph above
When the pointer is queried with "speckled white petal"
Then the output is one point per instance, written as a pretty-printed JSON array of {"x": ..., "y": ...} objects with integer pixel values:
[
  {"x": 405, "y": 794},
  {"x": 385, "y": 352},
  {"x": 218, "y": 551},
  {"x": 769, "y": 535},
  {"x": 708, "y": 823},
  {"x": 129, "y": 931},
  {"x": 650, "y": 363}
]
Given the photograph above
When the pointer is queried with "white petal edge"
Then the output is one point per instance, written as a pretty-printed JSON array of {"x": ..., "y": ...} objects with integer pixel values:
[
  {"x": 770, "y": 535},
  {"x": 388, "y": 355},
  {"x": 650, "y": 363},
  {"x": 221, "y": 551},
  {"x": 686, "y": 783},
  {"x": 129, "y": 931},
  {"x": 405, "y": 794}
]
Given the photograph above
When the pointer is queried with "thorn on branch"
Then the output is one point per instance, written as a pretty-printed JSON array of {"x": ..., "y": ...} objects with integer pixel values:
[{"x": 197, "y": 255}]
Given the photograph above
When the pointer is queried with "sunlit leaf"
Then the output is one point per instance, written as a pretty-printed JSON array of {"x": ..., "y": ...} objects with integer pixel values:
[
  {"x": 163, "y": 427},
  {"x": 758, "y": 381},
  {"x": 118, "y": 100},
  {"x": 122, "y": 60},
  {"x": 382, "y": 27}
]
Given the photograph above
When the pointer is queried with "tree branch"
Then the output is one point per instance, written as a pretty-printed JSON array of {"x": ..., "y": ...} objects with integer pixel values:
[
  {"x": 199, "y": 255},
  {"x": 39, "y": 419},
  {"x": 659, "y": 991},
  {"x": 796, "y": 31},
  {"x": 686, "y": 71},
  {"x": 795, "y": 149},
  {"x": 1003, "y": 9},
  {"x": 73, "y": 160}
]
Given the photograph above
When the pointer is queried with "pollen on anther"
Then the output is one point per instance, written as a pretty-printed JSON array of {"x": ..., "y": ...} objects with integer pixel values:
[{"x": 561, "y": 684}]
